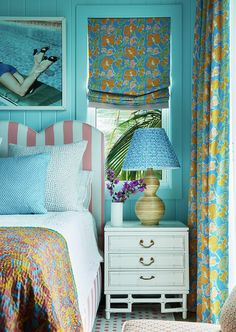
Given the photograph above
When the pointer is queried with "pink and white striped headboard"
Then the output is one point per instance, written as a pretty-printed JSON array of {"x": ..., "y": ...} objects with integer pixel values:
[{"x": 64, "y": 133}]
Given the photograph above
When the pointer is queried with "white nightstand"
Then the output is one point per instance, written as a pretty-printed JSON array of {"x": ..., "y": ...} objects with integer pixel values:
[{"x": 146, "y": 264}]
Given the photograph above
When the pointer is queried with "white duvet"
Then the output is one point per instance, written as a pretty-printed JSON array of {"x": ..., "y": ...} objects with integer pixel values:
[{"x": 79, "y": 232}]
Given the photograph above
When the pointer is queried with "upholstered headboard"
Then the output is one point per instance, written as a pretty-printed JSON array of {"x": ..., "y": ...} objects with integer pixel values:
[{"x": 64, "y": 133}]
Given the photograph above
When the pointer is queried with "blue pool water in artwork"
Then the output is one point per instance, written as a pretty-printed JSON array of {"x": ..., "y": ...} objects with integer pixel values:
[{"x": 19, "y": 39}]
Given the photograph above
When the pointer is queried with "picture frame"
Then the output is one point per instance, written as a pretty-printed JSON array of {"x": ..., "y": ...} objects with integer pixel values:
[{"x": 20, "y": 38}]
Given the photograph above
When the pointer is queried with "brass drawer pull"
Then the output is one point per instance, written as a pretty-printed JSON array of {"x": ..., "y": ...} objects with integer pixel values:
[
  {"x": 141, "y": 260},
  {"x": 150, "y": 245},
  {"x": 143, "y": 278}
]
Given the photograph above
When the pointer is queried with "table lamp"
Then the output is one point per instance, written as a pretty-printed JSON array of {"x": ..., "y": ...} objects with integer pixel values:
[{"x": 149, "y": 149}]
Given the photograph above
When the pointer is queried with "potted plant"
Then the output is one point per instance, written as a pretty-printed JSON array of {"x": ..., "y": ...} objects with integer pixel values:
[{"x": 119, "y": 196}]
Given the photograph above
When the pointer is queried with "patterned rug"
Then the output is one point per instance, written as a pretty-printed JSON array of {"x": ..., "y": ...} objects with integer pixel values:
[{"x": 114, "y": 324}]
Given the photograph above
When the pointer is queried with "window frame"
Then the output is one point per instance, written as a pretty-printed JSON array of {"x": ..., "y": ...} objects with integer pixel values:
[{"x": 173, "y": 187}]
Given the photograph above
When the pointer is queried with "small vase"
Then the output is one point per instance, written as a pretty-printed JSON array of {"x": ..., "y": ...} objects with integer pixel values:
[{"x": 116, "y": 214}]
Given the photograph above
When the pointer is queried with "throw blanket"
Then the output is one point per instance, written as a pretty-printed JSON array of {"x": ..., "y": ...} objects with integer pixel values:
[{"x": 37, "y": 290}]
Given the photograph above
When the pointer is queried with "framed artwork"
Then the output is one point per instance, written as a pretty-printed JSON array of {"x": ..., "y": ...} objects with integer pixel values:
[{"x": 32, "y": 63}]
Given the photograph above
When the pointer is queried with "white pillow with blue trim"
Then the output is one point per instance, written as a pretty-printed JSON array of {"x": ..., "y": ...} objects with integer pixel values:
[
  {"x": 85, "y": 188},
  {"x": 62, "y": 176}
]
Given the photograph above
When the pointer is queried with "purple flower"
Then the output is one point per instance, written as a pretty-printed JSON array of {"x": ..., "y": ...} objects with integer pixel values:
[
  {"x": 119, "y": 194},
  {"x": 110, "y": 175},
  {"x": 128, "y": 188}
]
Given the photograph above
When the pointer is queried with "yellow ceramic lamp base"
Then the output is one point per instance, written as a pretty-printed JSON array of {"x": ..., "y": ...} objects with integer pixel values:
[{"x": 150, "y": 208}]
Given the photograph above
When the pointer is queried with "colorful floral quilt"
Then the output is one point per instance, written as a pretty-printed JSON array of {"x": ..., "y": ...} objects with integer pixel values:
[{"x": 37, "y": 290}]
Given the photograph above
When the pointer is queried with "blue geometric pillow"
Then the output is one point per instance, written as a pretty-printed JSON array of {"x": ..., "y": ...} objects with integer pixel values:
[{"x": 22, "y": 184}]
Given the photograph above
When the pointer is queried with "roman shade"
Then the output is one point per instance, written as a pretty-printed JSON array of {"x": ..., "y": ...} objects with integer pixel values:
[{"x": 129, "y": 62}]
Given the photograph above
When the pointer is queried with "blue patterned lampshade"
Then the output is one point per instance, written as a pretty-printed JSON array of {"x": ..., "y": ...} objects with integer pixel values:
[{"x": 150, "y": 148}]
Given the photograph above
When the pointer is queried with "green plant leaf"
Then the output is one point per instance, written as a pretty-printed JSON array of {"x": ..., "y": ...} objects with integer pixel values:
[{"x": 116, "y": 156}]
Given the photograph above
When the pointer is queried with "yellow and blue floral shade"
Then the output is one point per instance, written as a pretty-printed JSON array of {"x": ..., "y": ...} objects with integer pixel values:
[
  {"x": 129, "y": 61},
  {"x": 150, "y": 148}
]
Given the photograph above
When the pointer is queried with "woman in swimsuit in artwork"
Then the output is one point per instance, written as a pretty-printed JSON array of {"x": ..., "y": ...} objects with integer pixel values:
[{"x": 14, "y": 81}]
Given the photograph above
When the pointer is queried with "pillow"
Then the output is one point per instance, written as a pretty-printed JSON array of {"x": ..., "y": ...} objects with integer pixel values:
[
  {"x": 62, "y": 176},
  {"x": 22, "y": 189},
  {"x": 84, "y": 188}
]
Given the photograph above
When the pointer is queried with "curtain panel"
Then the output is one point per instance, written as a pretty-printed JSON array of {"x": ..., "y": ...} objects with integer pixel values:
[
  {"x": 129, "y": 62},
  {"x": 209, "y": 178}
]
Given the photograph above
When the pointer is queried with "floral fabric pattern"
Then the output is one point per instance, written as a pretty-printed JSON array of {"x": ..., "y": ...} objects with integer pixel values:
[
  {"x": 37, "y": 289},
  {"x": 129, "y": 60},
  {"x": 208, "y": 198}
]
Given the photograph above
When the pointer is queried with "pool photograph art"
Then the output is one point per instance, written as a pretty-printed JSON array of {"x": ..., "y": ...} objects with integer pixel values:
[{"x": 32, "y": 63}]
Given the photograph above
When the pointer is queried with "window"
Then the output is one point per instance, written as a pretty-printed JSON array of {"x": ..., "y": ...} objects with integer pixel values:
[
  {"x": 118, "y": 127},
  {"x": 171, "y": 183},
  {"x": 129, "y": 68}
]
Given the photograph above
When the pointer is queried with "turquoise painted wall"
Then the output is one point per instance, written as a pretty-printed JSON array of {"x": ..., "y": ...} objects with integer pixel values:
[{"x": 175, "y": 208}]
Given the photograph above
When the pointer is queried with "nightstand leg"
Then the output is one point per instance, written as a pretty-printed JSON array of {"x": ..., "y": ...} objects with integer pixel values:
[
  {"x": 108, "y": 315},
  {"x": 184, "y": 315}
]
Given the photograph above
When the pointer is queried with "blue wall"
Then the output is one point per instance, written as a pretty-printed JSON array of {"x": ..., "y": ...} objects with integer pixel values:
[{"x": 175, "y": 208}]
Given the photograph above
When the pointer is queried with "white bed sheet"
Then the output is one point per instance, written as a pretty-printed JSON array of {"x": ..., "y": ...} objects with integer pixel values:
[{"x": 78, "y": 230}]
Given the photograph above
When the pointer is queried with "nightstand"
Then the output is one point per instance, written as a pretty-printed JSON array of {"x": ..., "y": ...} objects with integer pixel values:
[{"x": 146, "y": 264}]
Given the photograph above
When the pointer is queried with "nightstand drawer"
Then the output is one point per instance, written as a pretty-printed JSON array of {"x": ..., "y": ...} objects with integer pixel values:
[
  {"x": 144, "y": 279},
  {"x": 137, "y": 243},
  {"x": 146, "y": 261}
]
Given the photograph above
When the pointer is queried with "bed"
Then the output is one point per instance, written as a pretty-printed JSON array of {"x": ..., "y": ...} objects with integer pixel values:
[{"x": 81, "y": 230}]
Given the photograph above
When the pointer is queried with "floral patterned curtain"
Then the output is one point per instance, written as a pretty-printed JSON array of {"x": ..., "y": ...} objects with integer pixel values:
[
  {"x": 208, "y": 199},
  {"x": 129, "y": 62}
]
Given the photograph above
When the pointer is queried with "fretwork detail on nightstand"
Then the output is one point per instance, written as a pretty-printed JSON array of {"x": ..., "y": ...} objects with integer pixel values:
[{"x": 146, "y": 265}]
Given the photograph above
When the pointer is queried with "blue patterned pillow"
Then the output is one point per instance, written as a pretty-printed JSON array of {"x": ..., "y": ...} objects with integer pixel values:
[{"x": 22, "y": 184}]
